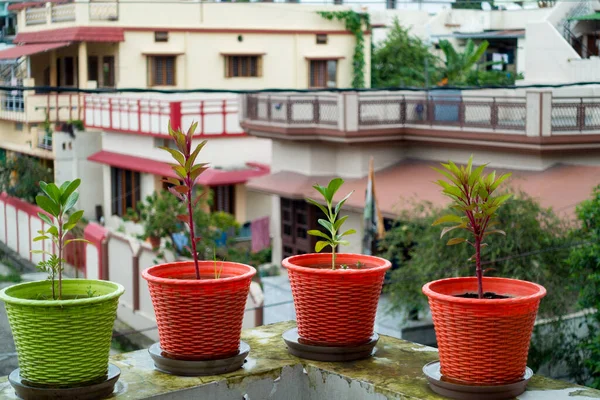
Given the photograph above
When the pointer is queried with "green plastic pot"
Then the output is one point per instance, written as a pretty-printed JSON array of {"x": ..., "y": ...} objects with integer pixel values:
[{"x": 62, "y": 342}]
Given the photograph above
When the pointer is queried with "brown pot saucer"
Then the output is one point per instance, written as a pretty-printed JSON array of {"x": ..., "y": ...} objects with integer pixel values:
[
  {"x": 459, "y": 391},
  {"x": 172, "y": 366},
  {"x": 328, "y": 353},
  {"x": 95, "y": 391}
]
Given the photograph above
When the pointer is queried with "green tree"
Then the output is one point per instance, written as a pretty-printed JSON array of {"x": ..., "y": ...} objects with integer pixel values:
[
  {"x": 467, "y": 5},
  {"x": 20, "y": 176},
  {"x": 457, "y": 65},
  {"x": 400, "y": 60},
  {"x": 584, "y": 262}
]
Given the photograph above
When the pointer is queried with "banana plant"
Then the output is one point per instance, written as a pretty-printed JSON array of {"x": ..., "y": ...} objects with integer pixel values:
[
  {"x": 58, "y": 203},
  {"x": 331, "y": 237}
]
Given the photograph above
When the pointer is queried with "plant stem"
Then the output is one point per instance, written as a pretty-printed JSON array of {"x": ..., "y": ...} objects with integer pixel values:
[
  {"x": 478, "y": 270},
  {"x": 192, "y": 236},
  {"x": 60, "y": 250}
]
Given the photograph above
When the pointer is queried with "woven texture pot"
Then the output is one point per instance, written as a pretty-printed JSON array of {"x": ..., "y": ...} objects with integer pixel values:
[
  {"x": 336, "y": 307},
  {"x": 62, "y": 342},
  {"x": 483, "y": 341},
  {"x": 199, "y": 319}
]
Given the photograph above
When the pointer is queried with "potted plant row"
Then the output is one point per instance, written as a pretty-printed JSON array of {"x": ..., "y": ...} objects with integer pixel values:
[
  {"x": 483, "y": 324},
  {"x": 199, "y": 305},
  {"x": 62, "y": 328},
  {"x": 336, "y": 294}
]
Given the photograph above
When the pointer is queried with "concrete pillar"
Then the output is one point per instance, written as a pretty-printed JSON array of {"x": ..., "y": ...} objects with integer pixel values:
[
  {"x": 539, "y": 113},
  {"x": 82, "y": 76},
  {"x": 350, "y": 111},
  {"x": 341, "y": 103},
  {"x": 53, "y": 71}
]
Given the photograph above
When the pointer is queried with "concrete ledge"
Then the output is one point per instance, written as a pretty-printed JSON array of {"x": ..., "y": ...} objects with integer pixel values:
[{"x": 271, "y": 373}]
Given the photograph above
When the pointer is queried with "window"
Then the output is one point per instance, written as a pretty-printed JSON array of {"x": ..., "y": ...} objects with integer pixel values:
[
  {"x": 161, "y": 36},
  {"x": 297, "y": 218},
  {"x": 224, "y": 199},
  {"x": 323, "y": 73},
  {"x": 321, "y": 38},
  {"x": 390, "y": 4},
  {"x": 108, "y": 71},
  {"x": 93, "y": 69},
  {"x": 125, "y": 190},
  {"x": 161, "y": 70},
  {"x": 69, "y": 71},
  {"x": 243, "y": 66}
]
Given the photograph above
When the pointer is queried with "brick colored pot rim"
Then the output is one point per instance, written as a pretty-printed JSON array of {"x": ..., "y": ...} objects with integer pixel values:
[
  {"x": 445, "y": 289},
  {"x": 7, "y": 296},
  {"x": 241, "y": 271},
  {"x": 298, "y": 263}
]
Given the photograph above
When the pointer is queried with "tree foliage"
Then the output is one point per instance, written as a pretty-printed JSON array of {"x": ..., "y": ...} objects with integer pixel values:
[
  {"x": 20, "y": 176},
  {"x": 584, "y": 262},
  {"x": 400, "y": 60},
  {"x": 457, "y": 65}
]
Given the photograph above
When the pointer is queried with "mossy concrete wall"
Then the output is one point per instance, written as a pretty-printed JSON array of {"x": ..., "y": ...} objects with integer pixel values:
[{"x": 270, "y": 373}]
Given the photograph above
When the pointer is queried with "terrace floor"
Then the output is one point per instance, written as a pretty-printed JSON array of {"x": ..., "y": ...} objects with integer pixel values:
[{"x": 271, "y": 373}]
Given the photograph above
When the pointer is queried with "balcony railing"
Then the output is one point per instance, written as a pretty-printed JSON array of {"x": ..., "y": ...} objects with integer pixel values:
[
  {"x": 12, "y": 104},
  {"x": 215, "y": 117},
  {"x": 69, "y": 12},
  {"x": 35, "y": 16},
  {"x": 63, "y": 12},
  {"x": 104, "y": 11},
  {"x": 576, "y": 114},
  {"x": 320, "y": 110}
]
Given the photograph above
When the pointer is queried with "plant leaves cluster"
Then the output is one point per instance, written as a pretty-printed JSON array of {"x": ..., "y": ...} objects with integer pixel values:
[
  {"x": 187, "y": 171},
  {"x": 331, "y": 236},
  {"x": 58, "y": 203}
]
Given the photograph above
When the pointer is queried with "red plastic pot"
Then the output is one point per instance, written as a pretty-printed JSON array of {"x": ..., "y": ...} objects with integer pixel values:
[
  {"x": 335, "y": 307},
  {"x": 485, "y": 341},
  {"x": 199, "y": 319}
]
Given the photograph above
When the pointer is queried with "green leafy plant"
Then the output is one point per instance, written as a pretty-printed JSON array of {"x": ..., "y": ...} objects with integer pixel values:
[
  {"x": 188, "y": 171},
  {"x": 158, "y": 214},
  {"x": 332, "y": 224},
  {"x": 355, "y": 23},
  {"x": 58, "y": 202},
  {"x": 458, "y": 64},
  {"x": 77, "y": 124},
  {"x": 471, "y": 193},
  {"x": 20, "y": 176}
]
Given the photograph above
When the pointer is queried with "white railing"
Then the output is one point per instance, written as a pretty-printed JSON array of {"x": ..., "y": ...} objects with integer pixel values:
[
  {"x": 35, "y": 16},
  {"x": 63, "y": 12},
  {"x": 104, "y": 11}
]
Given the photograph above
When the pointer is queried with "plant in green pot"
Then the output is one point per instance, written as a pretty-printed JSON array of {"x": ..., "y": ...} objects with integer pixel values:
[
  {"x": 335, "y": 294},
  {"x": 199, "y": 305},
  {"x": 483, "y": 324},
  {"x": 62, "y": 327}
]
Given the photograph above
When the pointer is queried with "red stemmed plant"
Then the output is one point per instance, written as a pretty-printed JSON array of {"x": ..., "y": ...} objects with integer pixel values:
[
  {"x": 472, "y": 194},
  {"x": 187, "y": 173}
]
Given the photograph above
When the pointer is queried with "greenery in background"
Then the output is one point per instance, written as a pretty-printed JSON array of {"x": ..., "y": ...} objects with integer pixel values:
[
  {"x": 20, "y": 176},
  {"x": 77, "y": 124},
  {"x": 400, "y": 60},
  {"x": 534, "y": 250},
  {"x": 584, "y": 263},
  {"x": 356, "y": 23},
  {"x": 467, "y": 5},
  {"x": 158, "y": 215},
  {"x": 332, "y": 237},
  {"x": 58, "y": 203}
]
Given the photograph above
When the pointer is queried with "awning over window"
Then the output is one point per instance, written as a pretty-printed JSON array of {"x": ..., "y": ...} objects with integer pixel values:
[
  {"x": 211, "y": 177},
  {"x": 588, "y": 17},
  {"x": 29, "y": 49}
]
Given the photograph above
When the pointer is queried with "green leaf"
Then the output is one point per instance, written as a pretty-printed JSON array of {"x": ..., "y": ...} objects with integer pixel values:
[
  {"x": 321, "y": 206},
  {"x": 333, "y": 187},
  {"x": 320, "y": 245},
  {"x": 447, "y": 218},
  {"x": 343, "y": 242},
  {"x": 191, "y": 131},
  {"x": 454, "y": 191},
  {"x": 190, "y": 162},
  {"x": 53, "y": 230},
  {"x": 177, "y": 156},
  {"x": 75, "y": 217},
  {"x": 339, "y": 222},
  {"x": 498, "y": 181},
  {"x": 45, "y": 218},
  {"x": 48, "y": 205},
  {"x": 315, "y": 232},
  {"x": 447, "y": 175},
  {"x": 470, "y": 165},
  {"x": 494, "y": 231},
  {"x": 172, "y": 181},
  {"x": 38, "y": 238},
  {"x": 179, "y": 170},
  {"x": 77, "y": 240},
  {"x": 451, "y": 228},
  {"x": 339, "y": 205},
  {"x": 197, "y": 170},
  {"x": 326, "y": 224},
  {"x": 68, "y": 190},
  {"x": 501, "y": 199},
  {"x": 71, "y": 201},
  {"x": 322, "y": 190},
  {"x": 474, "y": 177},
  {"x": 348, "y": 232},
  {"x": 454, "y": 241},
  {"x": 53, "y": 192},
  {"x": 40, "y": 252}
]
